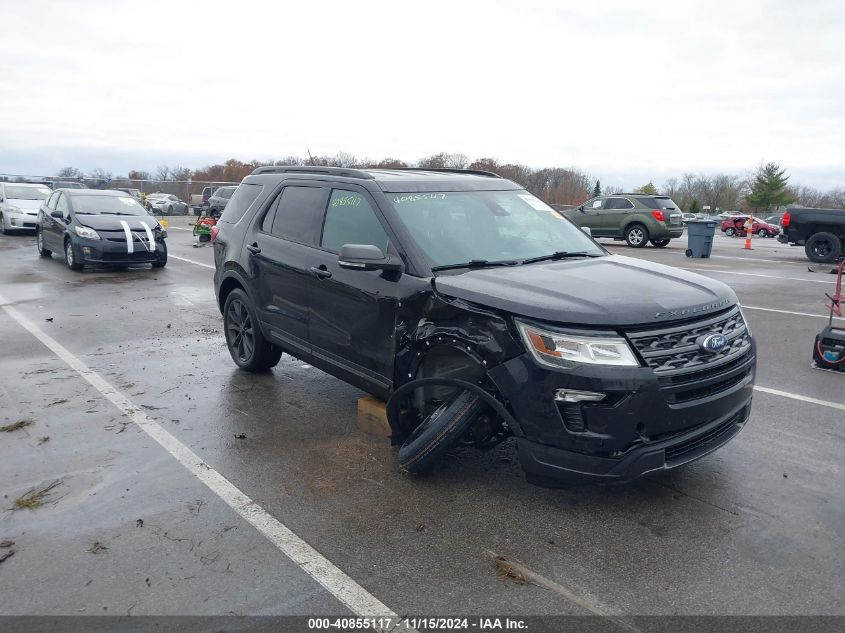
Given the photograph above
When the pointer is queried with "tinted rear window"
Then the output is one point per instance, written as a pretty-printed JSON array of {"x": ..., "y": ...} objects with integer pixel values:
[
  {"x": 298, "y": 214},
  {"x": 658, "y": 203},
  {"x": 244, "y": 196}
]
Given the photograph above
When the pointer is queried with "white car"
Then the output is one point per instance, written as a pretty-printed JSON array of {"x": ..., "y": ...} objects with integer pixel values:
[{"x": 19, "y": 204}]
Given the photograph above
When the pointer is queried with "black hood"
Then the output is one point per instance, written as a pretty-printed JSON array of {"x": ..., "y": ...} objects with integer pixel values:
[
  {"x": 606, "y": 291},
  {"x": 112, "y": 222}
]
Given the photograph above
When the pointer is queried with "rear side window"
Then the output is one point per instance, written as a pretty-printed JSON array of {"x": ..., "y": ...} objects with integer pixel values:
[
  {"x": 225, "y": 193},
  {"x": 351, "y": 220},
  {"x": 659, "y": 203},
  {"x": 244, "y": 196},
  {"x": 296, "y": 214},
  {"x": 618, "y": 203}
]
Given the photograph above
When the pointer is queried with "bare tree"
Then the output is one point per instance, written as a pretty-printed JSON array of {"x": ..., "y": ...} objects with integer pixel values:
[{"x": 69, "y": 172}]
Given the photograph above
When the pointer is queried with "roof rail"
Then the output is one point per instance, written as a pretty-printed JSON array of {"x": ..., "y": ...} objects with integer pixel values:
[
  {"x": 448, "y": 170},
  {"x": 313, "y": 169}
]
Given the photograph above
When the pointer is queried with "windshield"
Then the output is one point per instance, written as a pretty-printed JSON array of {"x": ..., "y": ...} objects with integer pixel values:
[
  {"x": 107, "y": 205},
  {"x": 27, "y": 193},
  {"x": 457, "y": 227}
]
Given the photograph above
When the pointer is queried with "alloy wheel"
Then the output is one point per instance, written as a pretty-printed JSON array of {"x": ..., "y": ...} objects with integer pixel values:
[
  {"x": 240, "y": 330},
  {"x": 69, "y": 253},
  {"x": 822, "y": 249},
  {"x": 39, "y": 240},
  {"x": 636, "y": 236}
]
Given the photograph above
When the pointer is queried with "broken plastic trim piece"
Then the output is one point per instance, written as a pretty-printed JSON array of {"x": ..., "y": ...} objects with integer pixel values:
[{"x": 393, "y": 403}]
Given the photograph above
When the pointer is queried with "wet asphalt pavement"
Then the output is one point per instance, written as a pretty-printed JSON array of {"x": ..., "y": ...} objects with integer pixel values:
[{"x": 756, "y": 528}]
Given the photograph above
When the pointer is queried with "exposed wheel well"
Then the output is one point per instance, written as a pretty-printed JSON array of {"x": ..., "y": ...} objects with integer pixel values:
[{"x": 227, "y": 286}]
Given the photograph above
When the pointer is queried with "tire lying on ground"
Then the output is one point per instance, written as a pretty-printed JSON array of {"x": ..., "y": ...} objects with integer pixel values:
[
  {"x": 439, "y": 432},
  {"x": 823, "y": 248}
]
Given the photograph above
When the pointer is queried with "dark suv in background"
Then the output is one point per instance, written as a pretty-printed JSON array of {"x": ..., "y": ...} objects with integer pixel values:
[
  {"x": 479, "y": 313},
  {"x": 219, "y": 199},
  {"x": 635, "y": 218}
]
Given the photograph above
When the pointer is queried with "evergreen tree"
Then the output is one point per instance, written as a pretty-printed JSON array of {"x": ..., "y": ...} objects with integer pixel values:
[
  {"x": 597, "y": 189},
  {"x": 694, "y": 207},
  {"x": 769, "y": 188}
]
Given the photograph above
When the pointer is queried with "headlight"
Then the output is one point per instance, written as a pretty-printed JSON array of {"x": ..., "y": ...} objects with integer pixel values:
[
  {"x": 84, "y": 231},
  {"x": 556, "y": 349},
  {"x": 11, "y": 209}
]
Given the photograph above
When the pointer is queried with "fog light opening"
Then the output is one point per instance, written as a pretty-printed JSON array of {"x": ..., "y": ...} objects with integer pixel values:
[
  {"x": 575, "y": 396},
  {"x": 86, "y": 251}
]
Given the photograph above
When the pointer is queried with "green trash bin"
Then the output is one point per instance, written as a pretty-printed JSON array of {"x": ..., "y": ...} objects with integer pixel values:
[{"x": 700, "y": 238}]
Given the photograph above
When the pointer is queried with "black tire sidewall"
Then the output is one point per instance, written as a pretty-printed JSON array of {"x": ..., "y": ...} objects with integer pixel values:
[
  {"x": 439, "y": 432},
  {"x": 264, "y": 354},
  {"x": 835, "y": 251}
]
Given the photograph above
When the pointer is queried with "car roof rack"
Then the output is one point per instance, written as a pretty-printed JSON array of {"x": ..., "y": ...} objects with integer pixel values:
[
  {"x": 447, "y": 170},
  {"x": 313, "y": 169}
]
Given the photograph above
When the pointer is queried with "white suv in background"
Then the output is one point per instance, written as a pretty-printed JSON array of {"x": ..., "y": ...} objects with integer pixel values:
[{"x": 19, "y": 204}]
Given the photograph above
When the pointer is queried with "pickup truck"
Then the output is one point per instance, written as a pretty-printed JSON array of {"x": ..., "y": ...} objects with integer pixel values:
[{"x": 820, "y": 231}]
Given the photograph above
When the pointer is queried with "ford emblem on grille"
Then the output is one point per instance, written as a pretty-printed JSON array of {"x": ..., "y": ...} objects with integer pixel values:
[{"x": 712, "y": 343}]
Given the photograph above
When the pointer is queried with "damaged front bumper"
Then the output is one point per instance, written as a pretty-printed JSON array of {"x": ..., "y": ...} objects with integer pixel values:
[
  {"x": 642, "y": 424},
  {"x": 104, "y": 251}
]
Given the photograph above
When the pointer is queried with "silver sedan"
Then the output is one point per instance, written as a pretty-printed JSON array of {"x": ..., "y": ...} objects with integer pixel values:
[{"x": 166, "y": 204}]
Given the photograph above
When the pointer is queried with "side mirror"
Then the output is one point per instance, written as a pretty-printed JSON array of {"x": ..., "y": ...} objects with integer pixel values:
[
  {"x": 366, "y": 257},
  {"x": 587, "y": 230},
  {"x": 56, "y": 214}
]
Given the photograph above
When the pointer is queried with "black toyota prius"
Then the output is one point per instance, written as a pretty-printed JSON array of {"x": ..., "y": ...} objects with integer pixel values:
[{"x": 92, "y": 226}]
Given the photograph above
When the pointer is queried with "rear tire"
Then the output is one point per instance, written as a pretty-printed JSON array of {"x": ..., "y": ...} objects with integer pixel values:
[
  {"x": 636, "y": 235},
  {"x": 439, "y": 432},
  {"x": 763, "y": 233},
  {"x": 40, "y": 241},
  {"x": 823, "y": 248},
  {"x": 660, "y": 243},
  {"x": 247, "y": 345}
]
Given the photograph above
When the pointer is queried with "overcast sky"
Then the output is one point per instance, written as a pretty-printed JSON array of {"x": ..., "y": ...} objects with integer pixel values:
[{"x": 627, "y": 91}]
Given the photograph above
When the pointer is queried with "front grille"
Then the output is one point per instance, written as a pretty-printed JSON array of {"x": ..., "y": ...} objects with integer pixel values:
[
  {"x": 674, "y": 351},
  {"x": 137, "y": 256},
  {"x": 679, "y": 451}
]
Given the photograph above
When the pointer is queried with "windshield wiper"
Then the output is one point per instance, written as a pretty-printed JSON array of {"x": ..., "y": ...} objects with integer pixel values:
[
  {"x": 476, "y": 263},
  {"x": 558, "y": 255}
]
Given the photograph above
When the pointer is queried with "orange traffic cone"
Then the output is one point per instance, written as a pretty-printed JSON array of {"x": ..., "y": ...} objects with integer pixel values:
[{"x": 748, "y": 244}]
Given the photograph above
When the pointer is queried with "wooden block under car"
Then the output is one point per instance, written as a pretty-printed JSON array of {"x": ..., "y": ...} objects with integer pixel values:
[{"x": 372, "y": 417}]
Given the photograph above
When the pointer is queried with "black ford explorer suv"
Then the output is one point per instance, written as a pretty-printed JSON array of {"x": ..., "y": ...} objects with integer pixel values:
[{"x": 480, "y": 313}]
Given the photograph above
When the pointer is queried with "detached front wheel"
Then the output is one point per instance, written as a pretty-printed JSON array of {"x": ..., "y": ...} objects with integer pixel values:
[
  {"x": 439, "y": 432},
  {"x": 247, "y": 345}
]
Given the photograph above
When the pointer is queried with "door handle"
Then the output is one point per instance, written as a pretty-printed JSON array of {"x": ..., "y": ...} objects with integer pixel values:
[
  {"x": 321, "y": 272},
  {"x": 254, "y": 248}
]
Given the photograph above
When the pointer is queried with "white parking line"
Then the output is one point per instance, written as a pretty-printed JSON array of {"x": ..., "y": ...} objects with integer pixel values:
[
  {"x": 190, "y": 261},
  {"x": 795, "y": 396},
  {"x": 341, "y": 586},
  {"x": 806, "y": 314},
  {"x": 733, "y": 272}
]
